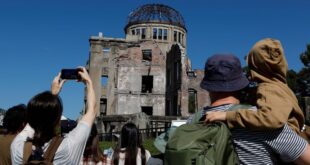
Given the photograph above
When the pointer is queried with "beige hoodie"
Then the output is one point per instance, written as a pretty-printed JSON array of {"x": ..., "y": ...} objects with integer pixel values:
[{"x": 276, "y": 103}]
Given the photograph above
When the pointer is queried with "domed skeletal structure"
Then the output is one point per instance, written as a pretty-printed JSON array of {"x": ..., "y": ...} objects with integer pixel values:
[{"x": 155, "y": 13}]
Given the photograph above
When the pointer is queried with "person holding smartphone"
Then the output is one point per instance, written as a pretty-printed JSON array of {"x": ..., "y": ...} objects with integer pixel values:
[{"x": 44, "y": 113}]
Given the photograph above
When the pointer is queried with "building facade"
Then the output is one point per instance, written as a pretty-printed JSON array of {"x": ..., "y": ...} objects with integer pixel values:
[{"x": 148, "y": 70}]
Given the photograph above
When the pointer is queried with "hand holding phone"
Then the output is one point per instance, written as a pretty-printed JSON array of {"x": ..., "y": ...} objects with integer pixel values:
[
  {"x": 70, "y": 74},
  {"x": 57, "y": 84}
]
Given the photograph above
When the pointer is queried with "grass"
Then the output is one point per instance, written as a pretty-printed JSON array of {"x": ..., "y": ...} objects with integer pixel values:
[{"x": 148, "y": 144}]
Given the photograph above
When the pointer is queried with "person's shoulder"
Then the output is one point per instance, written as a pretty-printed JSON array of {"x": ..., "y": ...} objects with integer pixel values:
[{"x": 82, "y": 129}]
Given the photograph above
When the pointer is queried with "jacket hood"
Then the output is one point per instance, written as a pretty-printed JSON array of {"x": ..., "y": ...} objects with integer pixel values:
[{"x": 267, "y": 62}]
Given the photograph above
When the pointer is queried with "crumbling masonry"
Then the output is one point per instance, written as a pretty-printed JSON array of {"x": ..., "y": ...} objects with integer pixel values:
[{"x": 148, "y": 70}]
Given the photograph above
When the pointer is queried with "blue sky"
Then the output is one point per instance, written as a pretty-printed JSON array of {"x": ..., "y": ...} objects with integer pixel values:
[{"x": 38, "y": 38}]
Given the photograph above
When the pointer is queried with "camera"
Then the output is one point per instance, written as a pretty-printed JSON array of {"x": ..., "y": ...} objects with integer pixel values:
[{"x": 70, "y": 74}]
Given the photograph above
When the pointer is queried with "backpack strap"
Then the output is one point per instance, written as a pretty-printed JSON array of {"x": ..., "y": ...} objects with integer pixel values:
[
  {"x": 52, "y": 148},
  {"x": 49, "y": 153},
  {"x": 27, "y": 151}
]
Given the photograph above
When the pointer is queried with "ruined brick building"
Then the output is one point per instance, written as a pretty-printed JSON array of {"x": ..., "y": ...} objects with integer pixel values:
[{"x": 148, "y": 70}]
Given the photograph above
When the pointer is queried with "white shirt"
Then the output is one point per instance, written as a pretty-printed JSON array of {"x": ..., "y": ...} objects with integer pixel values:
[{"x": 69, "y": 151}]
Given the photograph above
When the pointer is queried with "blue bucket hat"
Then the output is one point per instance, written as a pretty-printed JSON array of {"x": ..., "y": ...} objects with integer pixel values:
[{"x": 223, "y": 73}]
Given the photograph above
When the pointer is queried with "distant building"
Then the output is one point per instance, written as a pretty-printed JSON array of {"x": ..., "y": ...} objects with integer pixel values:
[{"x": 148, "y": 70}]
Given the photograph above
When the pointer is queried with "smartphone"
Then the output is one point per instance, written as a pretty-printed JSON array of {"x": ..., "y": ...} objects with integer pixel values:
[{"x": 70, "y": 74}]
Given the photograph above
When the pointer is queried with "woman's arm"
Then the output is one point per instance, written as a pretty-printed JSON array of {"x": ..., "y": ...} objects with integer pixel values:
[{"x": 91, "y": 112}]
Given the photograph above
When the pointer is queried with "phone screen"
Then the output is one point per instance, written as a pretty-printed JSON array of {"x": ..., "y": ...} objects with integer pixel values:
[{"x": 70, "y": 74}]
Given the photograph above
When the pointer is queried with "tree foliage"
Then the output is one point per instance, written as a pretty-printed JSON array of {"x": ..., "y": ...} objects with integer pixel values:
[
  {"x": 303, "y": 80},
  {"x": 305, "y": 56},
  {"x": 291, "y": 78}
]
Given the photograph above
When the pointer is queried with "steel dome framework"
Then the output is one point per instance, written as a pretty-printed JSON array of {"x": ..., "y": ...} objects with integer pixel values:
[{"x": 155, "y": 13}]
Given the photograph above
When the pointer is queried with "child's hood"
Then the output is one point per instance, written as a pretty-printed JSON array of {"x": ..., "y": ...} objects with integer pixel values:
[{"x": 267, "y": 62}]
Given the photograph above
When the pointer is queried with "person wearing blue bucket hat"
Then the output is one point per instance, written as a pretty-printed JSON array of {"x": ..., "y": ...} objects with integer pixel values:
[
  {"x": 224, "y": 79},
  {"x": 223, "y": 73}
]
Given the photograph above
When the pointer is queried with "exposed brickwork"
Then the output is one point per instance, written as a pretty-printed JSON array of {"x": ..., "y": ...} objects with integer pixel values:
[{"x": 137, "y": 82}]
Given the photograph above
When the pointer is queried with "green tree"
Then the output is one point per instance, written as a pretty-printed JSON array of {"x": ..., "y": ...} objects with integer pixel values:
[
  {"x": 305, "y": 57},
  {"x": 291, "y": 78},
  {"x": 303, "y": 80}
]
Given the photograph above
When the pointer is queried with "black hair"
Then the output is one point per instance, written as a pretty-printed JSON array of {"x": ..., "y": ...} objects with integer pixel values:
[
  {"x": 92, "y": 150},
  {"x": 15, "y": 119},
  {"x": 130, "y": 139},
  {"x": 44, "y": 113}
]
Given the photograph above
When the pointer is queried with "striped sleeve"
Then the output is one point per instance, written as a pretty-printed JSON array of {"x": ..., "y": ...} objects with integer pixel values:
[{"x": 287, "y": 144}]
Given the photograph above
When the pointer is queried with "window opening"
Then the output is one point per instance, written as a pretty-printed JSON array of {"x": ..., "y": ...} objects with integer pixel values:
[
  {"x": 154, "y": 33},
  {"x": 104, "y": 81},
  {"x": 106, "y": 52},
  {"x": 192, "y": 101},
  {"x": 104, "y": 73},
  {"x": 165, "y": 34},
  {"x": 147, "y": 110},
  {"x": 106, "y": 49},
  {"x": 147, "y": 84},
  {"x": 137, "y": 32},
  {"x": 147, "y": 54},
  {"x": 143, "y": 33},
  {"x": 191, "y": 74},
  {"x": 103, "y": 106},
  {"x": 175, "y": 36},
  {"x": 168, "y": 107},
  {"x": 160, "y": 31}
]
